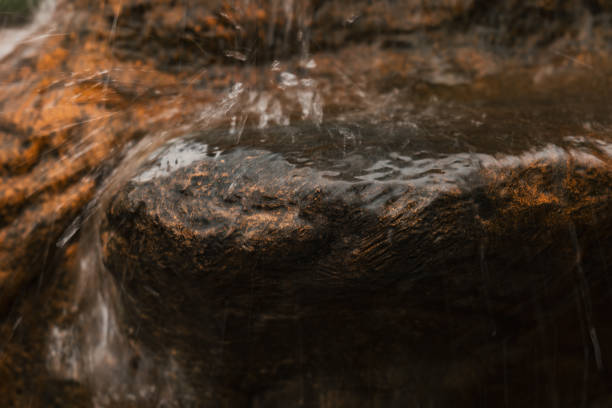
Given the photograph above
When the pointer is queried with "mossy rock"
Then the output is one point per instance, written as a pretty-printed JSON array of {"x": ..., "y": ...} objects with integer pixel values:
[{"x": 16, "y": 12}]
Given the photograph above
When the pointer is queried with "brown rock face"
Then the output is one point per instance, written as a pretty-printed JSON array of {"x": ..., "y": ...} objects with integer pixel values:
[
  {"x": 352, "y": 264},
  {"x": 118, "y": 70},
  {"x": 426, "y": 200}
]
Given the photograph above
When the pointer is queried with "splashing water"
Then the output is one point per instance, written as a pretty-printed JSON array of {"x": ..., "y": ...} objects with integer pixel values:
[
  {"x": 94, "y": 348},
  {"x": 38, "y": 29}
]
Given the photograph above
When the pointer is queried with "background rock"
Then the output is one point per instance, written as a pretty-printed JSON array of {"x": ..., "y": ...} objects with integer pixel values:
[
  {"x": 101, "y": 77},
  {"x": 349, "y": 271},
  {"x": 16, "y": 12}
]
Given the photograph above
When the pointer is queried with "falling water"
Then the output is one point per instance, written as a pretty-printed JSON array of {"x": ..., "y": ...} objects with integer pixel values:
[
  {"x": 94, "y": 347},
  {"x": 35, "y": 31}
]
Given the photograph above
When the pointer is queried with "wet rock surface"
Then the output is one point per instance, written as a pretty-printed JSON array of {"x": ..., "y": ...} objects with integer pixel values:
[
  {"x": 23, "y": 348},
  {"x": 348, "y": 264},
  {"x": 363, "y": 203},
  {"x": 98, "y": 76}
]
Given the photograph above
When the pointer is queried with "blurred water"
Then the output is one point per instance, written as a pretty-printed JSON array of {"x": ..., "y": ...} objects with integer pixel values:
[{"x": 35, "y": 31}]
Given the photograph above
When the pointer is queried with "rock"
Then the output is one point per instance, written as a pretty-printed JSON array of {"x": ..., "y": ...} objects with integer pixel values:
[
  {"x": 75, "y": 101},
  {"x": 354, "y": 265},
  {"x": 24, "y": 370},
  {"x": 179, "y": 34},
  {"x": 119, "y": 70},
  {"x": 217, "y": 31}
]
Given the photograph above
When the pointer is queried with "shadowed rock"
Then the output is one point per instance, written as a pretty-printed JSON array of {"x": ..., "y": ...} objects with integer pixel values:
[
  {"x": 349, "y": 264},
  {"x": 16, "y": 12}
]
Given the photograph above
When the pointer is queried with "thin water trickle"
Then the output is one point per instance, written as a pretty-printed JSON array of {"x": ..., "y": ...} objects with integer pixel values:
[
  {"x": 38, "y": 29},
  {"x": 94, "y": 348}
]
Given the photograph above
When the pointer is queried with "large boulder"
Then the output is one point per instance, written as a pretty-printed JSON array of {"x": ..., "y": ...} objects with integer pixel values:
[
  {"x": 505, "y": 177},
  {"x": 359, "y": 265},
  {"x": 73, "y": 99}
]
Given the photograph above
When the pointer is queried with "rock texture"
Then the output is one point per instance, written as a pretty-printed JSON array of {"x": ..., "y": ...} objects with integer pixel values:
[
  {"x": 344, "y": 265},
  {"x": 505, "y": 105},
  {"x": 16, "y": 12},
  {"x": 114, "y": 71},
  {"x": 23, "y": 350}
]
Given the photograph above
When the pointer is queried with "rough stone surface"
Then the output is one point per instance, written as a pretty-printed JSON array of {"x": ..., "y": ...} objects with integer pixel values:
[
  {"x": 119, "y": 70},
  {"x": 458, "y": 78},
  {"x": 344, "y": 263}
]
